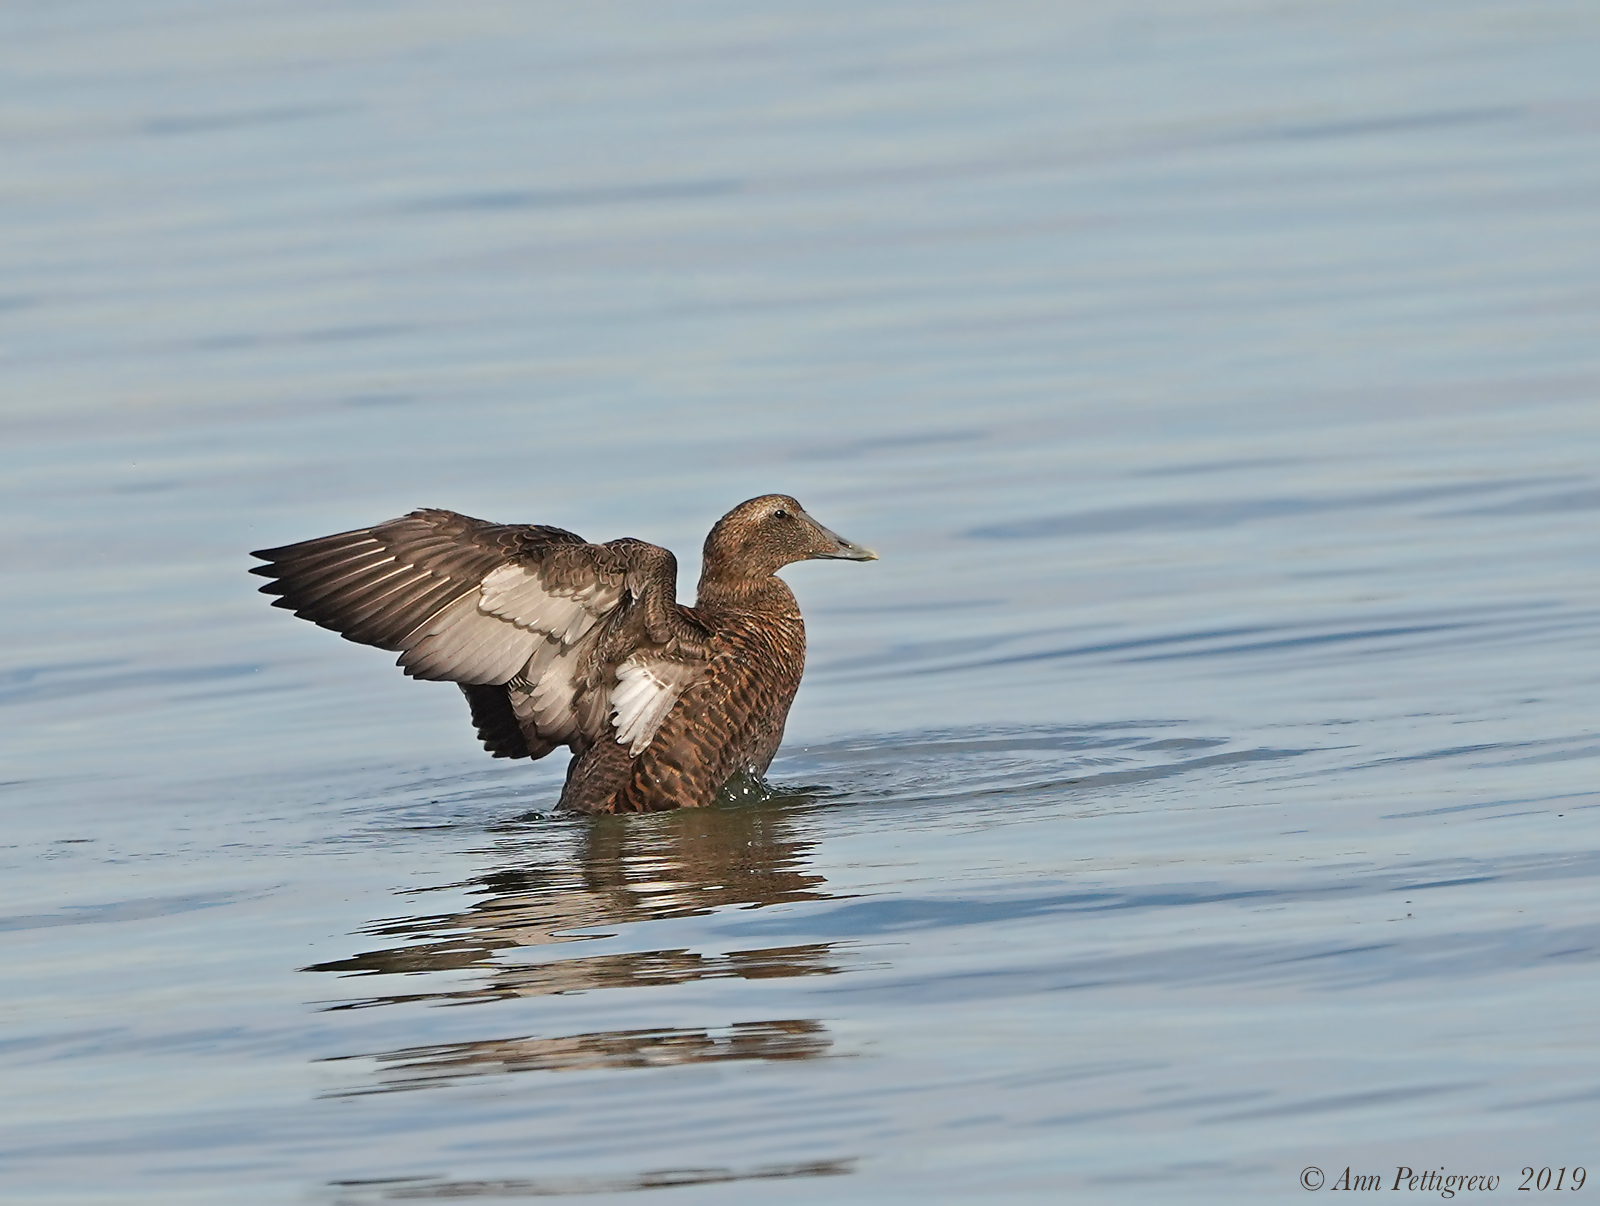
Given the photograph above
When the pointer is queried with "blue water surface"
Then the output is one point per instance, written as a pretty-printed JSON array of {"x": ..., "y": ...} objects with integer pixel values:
[{"x": 1197, "y": 796}]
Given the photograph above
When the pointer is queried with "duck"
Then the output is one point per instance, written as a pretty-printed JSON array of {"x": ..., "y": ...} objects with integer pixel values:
[{"x": 556, "y": 641}]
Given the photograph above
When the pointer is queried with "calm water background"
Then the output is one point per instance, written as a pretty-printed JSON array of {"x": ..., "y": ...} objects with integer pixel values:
[{"x": 1202, "y": 786}]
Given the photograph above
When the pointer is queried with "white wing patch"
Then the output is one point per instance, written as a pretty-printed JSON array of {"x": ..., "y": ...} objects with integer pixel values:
[
  {"x": 644, "y": 694},
  {"x": 490, "y": 635},
  {"x": 462, "y": 645},
  {"x": 514, "y": 593}
]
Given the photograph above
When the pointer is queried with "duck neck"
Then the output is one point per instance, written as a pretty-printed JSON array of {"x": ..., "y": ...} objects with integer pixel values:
[{"x": 768, "y": 595}]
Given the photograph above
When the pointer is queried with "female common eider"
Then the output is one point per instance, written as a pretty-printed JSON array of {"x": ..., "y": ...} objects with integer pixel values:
[{"x": 556, "y": 641}]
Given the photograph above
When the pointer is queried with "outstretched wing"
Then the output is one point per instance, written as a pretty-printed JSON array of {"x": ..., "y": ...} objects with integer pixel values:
[{"x": 535, "y": 611}]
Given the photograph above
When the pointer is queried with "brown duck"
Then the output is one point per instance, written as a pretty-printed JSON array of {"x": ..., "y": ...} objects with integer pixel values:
[{"x": 556, "y": 641}]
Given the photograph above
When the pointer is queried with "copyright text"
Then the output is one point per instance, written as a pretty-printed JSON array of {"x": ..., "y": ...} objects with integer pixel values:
[{"x": 1438, "y": 1180}]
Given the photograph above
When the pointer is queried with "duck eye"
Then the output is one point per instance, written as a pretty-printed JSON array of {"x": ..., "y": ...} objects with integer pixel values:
[{"x": 780, "y": 513}]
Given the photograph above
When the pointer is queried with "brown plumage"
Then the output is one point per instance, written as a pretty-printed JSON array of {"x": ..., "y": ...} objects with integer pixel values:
[{"x": 555, "y": 641}]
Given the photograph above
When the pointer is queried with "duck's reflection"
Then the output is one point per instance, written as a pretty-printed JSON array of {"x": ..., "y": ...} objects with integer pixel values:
[
  {"x": 553, "y": 880},
  {"x": 446, "y": 1063}
]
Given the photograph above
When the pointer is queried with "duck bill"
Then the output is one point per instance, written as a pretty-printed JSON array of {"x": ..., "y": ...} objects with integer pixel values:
[{"x": 839, "y": 548}]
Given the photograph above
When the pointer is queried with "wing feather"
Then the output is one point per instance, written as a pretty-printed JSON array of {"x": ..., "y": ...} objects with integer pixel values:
[
  {"x": 573, "y": 642},
  {"x": 646, "y": 690},
  {"x": 462, "y": 645}
]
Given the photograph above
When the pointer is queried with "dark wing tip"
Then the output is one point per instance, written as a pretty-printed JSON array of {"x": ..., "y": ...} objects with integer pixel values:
[{"x": 495, "y": 721}]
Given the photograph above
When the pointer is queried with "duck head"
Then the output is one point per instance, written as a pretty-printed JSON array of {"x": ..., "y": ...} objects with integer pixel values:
[{"x": 763, "y": 535}]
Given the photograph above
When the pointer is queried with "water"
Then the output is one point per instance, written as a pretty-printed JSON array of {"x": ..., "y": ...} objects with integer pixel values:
[{"x": 1200, "y": 789}]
